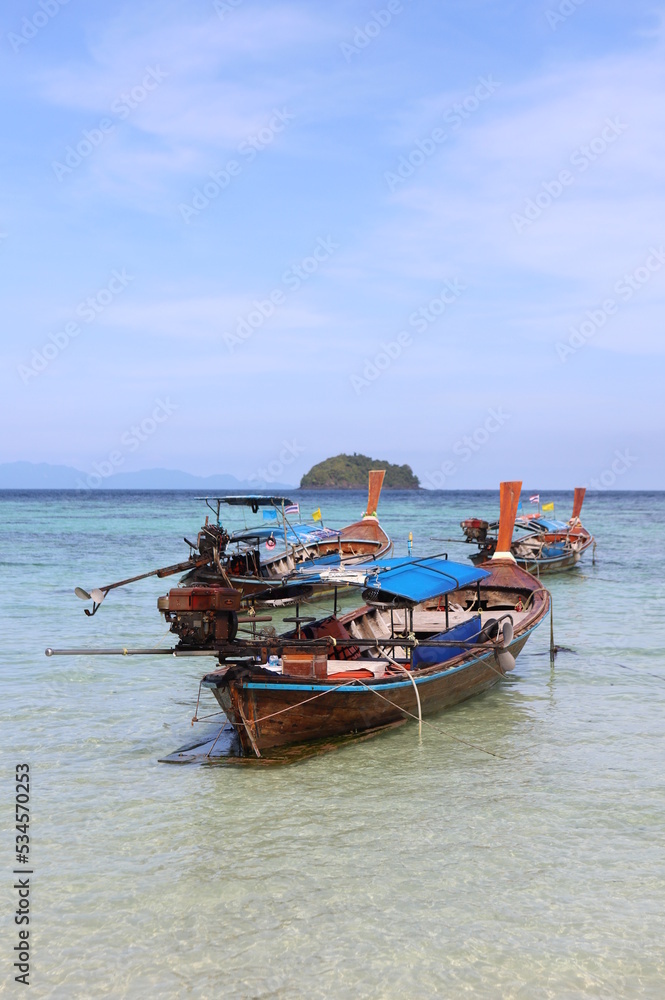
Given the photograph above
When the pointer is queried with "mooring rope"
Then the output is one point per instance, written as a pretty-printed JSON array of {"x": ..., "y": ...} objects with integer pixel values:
[
  {"x": 254, "y": 722},
  {"x": 552, "y": 646},
  {"x": 419, "y": 718},
  {"x": 198, "y": 698},
  {"x": 531, "y": 595},
  {"x": 426, "y": 722},
  {"x": 400, "y": 666},
  {"x": 306, "y": 700}
]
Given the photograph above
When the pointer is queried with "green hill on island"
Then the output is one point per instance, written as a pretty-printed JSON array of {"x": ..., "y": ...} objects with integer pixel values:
[{"x": 349, "y": 472}]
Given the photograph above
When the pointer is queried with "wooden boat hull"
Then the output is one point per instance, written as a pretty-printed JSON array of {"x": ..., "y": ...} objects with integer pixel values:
[
  {"x": 555, "y": 564},
  {"x": 273, "y": 710},
  {"x": 548, "y": 564}
]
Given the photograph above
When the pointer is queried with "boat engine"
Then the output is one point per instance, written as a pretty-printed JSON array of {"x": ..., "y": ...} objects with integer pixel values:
[
  {"x": 475, "y": 529},
  {"x": 202, "y": 616},
  {"x": 212, "y": 537}
]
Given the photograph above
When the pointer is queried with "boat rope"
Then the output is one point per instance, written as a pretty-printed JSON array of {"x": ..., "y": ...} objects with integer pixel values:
[
  {"x": 198, "y": 699},
  {"x": 400, "y": 666},
  {"x": 306, "y": 700},
  {"x": 202, "y": 718},
  {"x": 531, "y": 595},
  {"x": 356, "y": 680},
  {"x": 426, "y": 722},
  {"x": 161, "y": 638},
  {"x": 553, "y": 648},
  {"x": 288, "y": 708},
  {"x": 196, "y": 717},
  {"x": 624, "y": 666},
  {"x": 635, "y": 670},
  {"x": 221, "y": 730}
]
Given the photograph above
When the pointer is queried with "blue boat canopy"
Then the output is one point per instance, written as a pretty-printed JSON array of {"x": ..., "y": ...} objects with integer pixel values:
[
  {"x": 299, "y": 534},
  {"x": 309, "y": 535},
  {"x": 551, "y": 525},
  {"x": 415, "y": 580}
]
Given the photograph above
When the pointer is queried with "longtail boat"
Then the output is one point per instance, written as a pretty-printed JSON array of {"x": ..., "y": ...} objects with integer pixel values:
[
  {"x": 541, "y": 544},
  {"x": 265, "y": 563},
  {"x": 432, "y": 633}
]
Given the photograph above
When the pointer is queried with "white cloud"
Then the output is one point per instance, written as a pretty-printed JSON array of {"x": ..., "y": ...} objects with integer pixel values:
[{"x": 456, "y": 212}]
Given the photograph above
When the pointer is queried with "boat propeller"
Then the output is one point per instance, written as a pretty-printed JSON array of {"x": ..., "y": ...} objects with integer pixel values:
[
  {"x": 504, "y": 656},
  {"x": 96, "y": 596}
]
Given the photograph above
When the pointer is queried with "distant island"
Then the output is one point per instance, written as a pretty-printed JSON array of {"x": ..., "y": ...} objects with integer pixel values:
[{"x": 349, "y": 472}]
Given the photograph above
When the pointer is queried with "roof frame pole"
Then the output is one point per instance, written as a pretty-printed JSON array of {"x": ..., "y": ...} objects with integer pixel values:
[
  {"x": 447, "y": 613},
  {"x": 295, "y": 535},
  {"x": 286, "y": 543}
]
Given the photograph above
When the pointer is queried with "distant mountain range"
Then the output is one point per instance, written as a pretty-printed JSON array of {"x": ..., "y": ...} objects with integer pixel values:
[{"x": 42, "y": 476}]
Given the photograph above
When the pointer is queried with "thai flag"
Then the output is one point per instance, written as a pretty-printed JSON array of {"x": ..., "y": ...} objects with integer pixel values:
[
  {"x": 293, "y": 508},
  {"x": 535, "y": 498}
]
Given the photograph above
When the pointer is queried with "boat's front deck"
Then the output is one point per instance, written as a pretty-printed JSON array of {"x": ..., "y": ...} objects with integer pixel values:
[{"x": 377, "y": 624}]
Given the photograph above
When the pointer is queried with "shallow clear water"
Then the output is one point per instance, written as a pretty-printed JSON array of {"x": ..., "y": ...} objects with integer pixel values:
[{"x": 389, "y": 868}]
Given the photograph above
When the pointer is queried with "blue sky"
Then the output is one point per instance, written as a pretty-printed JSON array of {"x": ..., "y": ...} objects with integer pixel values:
[{"x": 436, "y": 236}]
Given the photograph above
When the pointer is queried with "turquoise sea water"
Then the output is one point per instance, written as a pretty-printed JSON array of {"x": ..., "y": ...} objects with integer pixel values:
[{"x": 389, "y": 868}]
